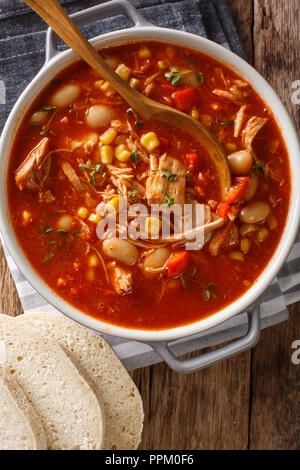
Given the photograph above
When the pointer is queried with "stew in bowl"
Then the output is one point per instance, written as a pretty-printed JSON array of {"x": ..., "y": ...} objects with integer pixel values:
[{"x": 81, "y": 154}]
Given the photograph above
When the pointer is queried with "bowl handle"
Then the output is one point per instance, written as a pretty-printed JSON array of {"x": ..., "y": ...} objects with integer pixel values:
[
  {"x": 104, "y": 10},
  {"x": 186, "y": 366}
]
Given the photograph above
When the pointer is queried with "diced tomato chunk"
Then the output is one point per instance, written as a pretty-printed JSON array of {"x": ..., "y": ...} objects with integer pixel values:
[
  {"x": 238, "y": 189},
  {"x": 185, "y": 99},
  {"x": 192, "y": 159},
  {"x": 178, "y": 263},
  {"x": 223, "y": 209}
]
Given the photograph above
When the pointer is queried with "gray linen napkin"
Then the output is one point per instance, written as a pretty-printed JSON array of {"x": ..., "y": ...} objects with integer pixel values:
[{"x": 22, "y": 50}]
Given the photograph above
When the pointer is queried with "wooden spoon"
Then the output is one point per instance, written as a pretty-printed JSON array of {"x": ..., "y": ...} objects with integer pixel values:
[{"x": 55, "y": 16}]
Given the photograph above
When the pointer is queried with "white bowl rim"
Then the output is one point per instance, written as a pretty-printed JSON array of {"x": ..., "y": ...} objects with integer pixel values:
[{"x": 153, "y": 33}]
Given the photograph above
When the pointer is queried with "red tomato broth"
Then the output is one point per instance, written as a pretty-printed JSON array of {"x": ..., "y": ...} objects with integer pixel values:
[{"x": 141, "y": 309}]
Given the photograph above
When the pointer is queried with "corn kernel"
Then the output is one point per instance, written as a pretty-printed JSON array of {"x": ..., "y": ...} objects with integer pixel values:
[
  {"x": 195, "y": 113},
  {"x": 107, "y": 89},
  {"x": 152, "y": 225},
  {"x": 245, "y": 245},
  {"x": 144, "y": 52},
  {"x": 134, "y": 83},
  {"x": 90, "y": 275},
  {"x": 124, "y": 156},
  {"x": 93, "y": 261},
  {"x": 230, "y": 147},
  {"x": 98, "y": 83},
  {"x": 82, "y": 212},
  {"x": 162, "y": 64},
  {"x": 108, "y": 136},
  {"x": 27, "y": 216},
  {"x": 150, "y": 141},
  {"x": 95, "y": 218},
  {"x": 247, "y": 229},
  {"x": 236, "y": 255},
  {"x": 113, "y": 204},
  {"x": 262, "y": 234},
  {"x": 272, "y": 222},
  {"x": 122, "y": 153},
  {"x": 107, "y": 154},
  {"x": 123, "y": 71}
]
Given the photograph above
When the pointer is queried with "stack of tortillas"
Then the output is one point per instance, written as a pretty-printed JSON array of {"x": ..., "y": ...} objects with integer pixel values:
[{"x": 62, "y": 387}]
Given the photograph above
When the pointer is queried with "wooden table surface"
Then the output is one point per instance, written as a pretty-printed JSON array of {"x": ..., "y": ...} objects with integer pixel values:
[{"x": 251, "y": 401}]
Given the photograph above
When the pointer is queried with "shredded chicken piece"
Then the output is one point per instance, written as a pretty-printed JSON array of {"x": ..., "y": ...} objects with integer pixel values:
[
  {"x": 239, "y": 120},
  {"x": 220, "y": 238},
  {"x": 234, "y": 94},
  {"x": 120, "y": 126},
  {"x": 137, "y": 188},
  {"x": 120, "y": 278},
  {"x": 121, "y": 177},
  {"x": 86, "y": 144},
  {"x": 85, "y": 232},
  {"x": 46, "y": 197},
  {"x": 240, "y": 84},
  {"x": 159, "y": 187},
  {"x": 91, "y": 247},
  {"x": 253, "y": 126},
  {"x": 134, "y": 144},
  {"x": 233, "y": 236},
  {"x": 152, "y": 78},
  {"x": 220, "y": 72},
  {"x": 34, "y": 171},
  {"x": 72, "y": 176}
]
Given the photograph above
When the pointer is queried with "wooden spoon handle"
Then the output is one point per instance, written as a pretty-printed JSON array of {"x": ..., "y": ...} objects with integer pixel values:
[{"x": 56, "y": 17}]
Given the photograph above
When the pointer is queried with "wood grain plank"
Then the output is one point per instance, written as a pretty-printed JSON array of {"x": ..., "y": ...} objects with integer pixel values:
[
  {"x": 242, "y": 14},
  {"x": 205, "y": 410},
  {"x": 9, "y": 299},
  {"x": 275, "y": 400},
  {"x": 277, "y": 51}
]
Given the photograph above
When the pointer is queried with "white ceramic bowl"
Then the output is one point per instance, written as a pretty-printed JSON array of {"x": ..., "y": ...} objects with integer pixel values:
[{"x": 145, "y": 31}]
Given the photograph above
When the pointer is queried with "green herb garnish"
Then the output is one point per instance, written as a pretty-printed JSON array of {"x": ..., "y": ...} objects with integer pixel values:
[
  {"x": 168, "y": 200},
  {"x": 98, "y": 168},
  {"x": 139, "y": 123},
  {"x": 48, "y": 230},
  {"x": 200, "y": 78},
  {"x": 259, "y": 167},
  {"x": 134, "y": 156},
  {"x": 84, "y": 167},
  {"x": 172, "y": 177},
  {"x": 62, "y": 232},
  {"x": 48, "y": 257},
  {"x": 227, "y": 123},
  {"x": 76, "y": 233},
  {"x": 48, "y": 108},
  {"x": 175, "y": 75},
  {"x": 132, "y": 194}
]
